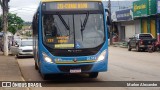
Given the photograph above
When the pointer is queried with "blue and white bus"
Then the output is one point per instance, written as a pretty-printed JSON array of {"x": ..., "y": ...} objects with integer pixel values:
[{"x": 70, "y": 36}]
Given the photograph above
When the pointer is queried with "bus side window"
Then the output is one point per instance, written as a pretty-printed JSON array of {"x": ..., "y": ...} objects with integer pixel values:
[{"x": 35, "y": 24}]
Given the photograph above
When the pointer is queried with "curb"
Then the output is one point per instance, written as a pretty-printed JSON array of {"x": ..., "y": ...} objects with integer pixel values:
[{"x": 22, "y": 77}]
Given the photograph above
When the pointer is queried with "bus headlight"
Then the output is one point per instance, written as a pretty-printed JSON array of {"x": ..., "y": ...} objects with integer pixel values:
[
  {"x": 102, "y": 56},
  {"x": 47, "y": 58}
]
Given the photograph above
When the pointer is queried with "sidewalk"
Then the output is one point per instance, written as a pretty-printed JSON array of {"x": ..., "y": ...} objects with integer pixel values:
[
  {"x": 120, "y": 44},
  {"x": 9, "y": 69}
]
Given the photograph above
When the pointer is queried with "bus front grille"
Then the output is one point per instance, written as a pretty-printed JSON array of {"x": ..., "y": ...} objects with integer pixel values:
[{"x": 83, "y": 68}]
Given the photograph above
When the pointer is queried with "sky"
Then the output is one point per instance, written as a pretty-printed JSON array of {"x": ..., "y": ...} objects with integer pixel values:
[{"x": 26, "y": 8}]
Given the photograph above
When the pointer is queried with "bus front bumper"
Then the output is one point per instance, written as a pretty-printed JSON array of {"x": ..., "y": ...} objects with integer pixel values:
[{"x": 48, "y": 68}]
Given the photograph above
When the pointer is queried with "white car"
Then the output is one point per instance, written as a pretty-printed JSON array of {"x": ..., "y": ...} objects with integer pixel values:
[{"x": 23, "y": 48}]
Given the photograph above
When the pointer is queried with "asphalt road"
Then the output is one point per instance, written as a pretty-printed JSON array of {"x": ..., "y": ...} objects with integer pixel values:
[{"x": 123, "y": 66}]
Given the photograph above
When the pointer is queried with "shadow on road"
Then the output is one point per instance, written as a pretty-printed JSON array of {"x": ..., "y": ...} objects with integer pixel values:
[
  {"x": 24, "y": 57},
  {"x": 73, "y": 80},
  {"x": 69, "y": 78}
]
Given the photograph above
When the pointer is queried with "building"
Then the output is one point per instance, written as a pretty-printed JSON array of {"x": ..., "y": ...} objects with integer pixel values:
[
  {"x": 158, "y": 20},
  {"x": 124, "y": 25},
  {"x": 143, "y": 18},
  {"x": 118, "y": 5},
  {"x": 144, "y": 11}
]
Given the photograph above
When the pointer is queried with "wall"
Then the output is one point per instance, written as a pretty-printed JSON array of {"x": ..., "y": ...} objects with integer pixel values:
[
  {"x": 126, "y": 30},
  {"x": 130, "y": 31},
  {"x": 137, "y": 26},
  {"x": 148, "y": 25},
  {"x": 158, "y": 29},
  {"x": 153, "y": 27},
  {"x": 144, "y": 26}
]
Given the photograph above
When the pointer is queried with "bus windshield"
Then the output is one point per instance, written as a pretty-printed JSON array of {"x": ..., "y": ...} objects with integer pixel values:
[{"x": 75, "y": 31}]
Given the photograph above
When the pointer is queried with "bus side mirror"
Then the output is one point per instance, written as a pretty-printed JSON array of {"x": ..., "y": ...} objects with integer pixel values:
[{"x": 109, "y": 22}]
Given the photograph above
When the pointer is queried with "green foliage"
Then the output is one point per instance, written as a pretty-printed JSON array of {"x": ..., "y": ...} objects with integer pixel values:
[
  {"x": 29, "y": 33},
  {"x": 14, "y": 23}
]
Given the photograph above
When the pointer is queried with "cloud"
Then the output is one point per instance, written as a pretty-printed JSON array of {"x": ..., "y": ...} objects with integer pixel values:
[{"x": 26, "y": 8}]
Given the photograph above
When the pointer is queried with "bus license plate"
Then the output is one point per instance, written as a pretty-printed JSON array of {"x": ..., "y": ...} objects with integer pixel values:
[{"x": 75, "y": 70}]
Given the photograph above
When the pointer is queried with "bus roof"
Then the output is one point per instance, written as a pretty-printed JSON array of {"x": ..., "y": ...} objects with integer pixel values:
[{"x": 67, "y": 0}]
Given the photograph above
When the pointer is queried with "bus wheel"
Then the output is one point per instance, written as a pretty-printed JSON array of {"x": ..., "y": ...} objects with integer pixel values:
[
  {"x": 93, "y": 75},
  {"x": 36, "y": 66}
]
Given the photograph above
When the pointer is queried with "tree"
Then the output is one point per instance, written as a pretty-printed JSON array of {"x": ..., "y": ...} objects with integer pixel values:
[
  {"x": 1, "y": 2},
  {"x": 28, "y": 33},
  {"x": 4, "y": 6},
  {"x": 14, "y": 23},
  {"x": 1, "y": 24}
]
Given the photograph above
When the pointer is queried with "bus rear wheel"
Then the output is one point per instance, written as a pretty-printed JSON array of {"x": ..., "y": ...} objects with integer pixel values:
[{"x": 93, "y": 75}]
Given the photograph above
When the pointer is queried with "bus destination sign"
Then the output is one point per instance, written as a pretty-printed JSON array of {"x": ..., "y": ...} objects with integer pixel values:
[
  {"x": 58, "y": 6},
  {"x": 72, "y": 6}
]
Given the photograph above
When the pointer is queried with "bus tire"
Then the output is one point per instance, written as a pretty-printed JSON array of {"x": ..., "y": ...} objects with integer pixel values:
[
  {"x": 93, "y": 75},
  {"x": 36, "y": 66}
]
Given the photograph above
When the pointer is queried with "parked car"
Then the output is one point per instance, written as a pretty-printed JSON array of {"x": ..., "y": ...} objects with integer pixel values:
[
  {"x": 22, "y": 48},
  {"x": 142, "y": 41},
  {"x": 157, "y": 46}
]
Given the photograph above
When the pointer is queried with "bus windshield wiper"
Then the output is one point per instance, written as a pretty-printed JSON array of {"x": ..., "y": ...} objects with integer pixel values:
[
  {"x": 63, "y": 21},
  {"x": 84, "y": 24}
]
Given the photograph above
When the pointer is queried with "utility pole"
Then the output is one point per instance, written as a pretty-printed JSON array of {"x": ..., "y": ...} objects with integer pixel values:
[
  {"x": 4, "y": 4},
  {"x": 110, "y": 27}
]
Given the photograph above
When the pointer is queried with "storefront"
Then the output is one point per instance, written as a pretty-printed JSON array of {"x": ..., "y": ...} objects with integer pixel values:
[
  {"x": 125, "y": 24},
  {"x": 145, "y": 12},
  {"x": 158, "y": 20}
]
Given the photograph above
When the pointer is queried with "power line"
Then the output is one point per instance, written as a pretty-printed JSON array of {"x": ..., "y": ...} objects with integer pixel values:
[{"x": 20, "y": 10}]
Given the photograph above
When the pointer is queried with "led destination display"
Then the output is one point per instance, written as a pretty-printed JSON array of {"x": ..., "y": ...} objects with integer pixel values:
[{"x": 56, "y": 6}]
